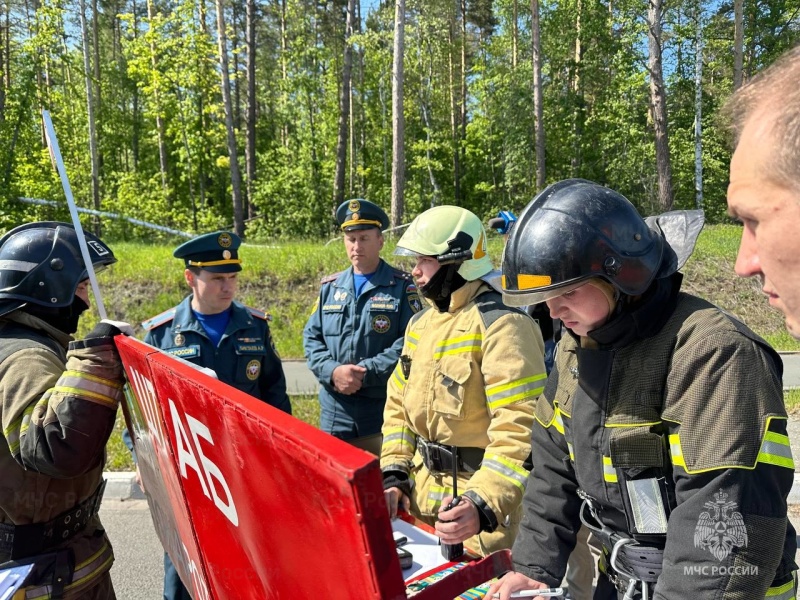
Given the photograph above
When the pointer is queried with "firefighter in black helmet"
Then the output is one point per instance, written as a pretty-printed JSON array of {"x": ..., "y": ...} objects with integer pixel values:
[
  {"x": 661, "y": 427},
  {"x": 58, "y": 404}
]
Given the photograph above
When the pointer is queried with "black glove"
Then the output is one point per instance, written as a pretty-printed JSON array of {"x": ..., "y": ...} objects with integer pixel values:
[
  {"x": 106, "y": 328},
  {"x": 399, "y": 479}
]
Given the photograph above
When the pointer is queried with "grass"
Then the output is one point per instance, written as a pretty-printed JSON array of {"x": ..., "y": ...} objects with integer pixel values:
[
  {"x": 283, "y": 279},
  {"x": 792, "y": 400}
]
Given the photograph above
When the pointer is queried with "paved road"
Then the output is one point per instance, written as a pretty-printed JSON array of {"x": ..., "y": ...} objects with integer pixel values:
[{"x": 138, "y": 571}]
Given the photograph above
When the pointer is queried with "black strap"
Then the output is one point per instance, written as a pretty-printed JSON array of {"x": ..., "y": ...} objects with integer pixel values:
[
  {"x": 440, "y": 457},
  {"x": 22, "y": 541}
]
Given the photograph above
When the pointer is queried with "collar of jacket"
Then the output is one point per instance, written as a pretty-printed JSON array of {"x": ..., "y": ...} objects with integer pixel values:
[
  {"x": 642, "y": 318},
  {"x": 384, "y": 275},
  {"x": 23, "y": 318},
  {"x": 184, "y": 319},
  {"x": 463, "y": 295}
]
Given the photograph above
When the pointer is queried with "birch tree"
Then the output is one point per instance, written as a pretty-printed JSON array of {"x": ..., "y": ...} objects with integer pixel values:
[{"x": 398, "y": 119}]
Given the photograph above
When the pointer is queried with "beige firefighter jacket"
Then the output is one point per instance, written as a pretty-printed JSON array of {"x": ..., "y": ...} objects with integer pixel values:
[
  {"x": 476, "y": 371},
  {"x": 57, "y": 410}
]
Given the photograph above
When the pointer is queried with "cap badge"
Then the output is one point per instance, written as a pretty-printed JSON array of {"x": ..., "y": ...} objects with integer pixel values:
[
  {"x": 354, "y": 206},
  {"x": 225, "y": 240},
  {"x": 226, "y": 254},
  {"x": 355, "y": 217}
]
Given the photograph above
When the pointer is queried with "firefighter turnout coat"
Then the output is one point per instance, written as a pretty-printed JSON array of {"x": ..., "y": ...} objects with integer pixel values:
[
  {"x": 58, "y": 402},
  {"x": 475, "y": 372},
  {"x": 671, "y": 420}
]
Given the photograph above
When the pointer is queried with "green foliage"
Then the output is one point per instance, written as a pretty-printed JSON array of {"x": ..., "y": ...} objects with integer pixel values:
[{"x": 158, "y": 91}]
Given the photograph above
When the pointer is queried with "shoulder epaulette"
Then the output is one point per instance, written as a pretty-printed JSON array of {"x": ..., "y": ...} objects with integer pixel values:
[
  {"x": 400, "y": 273},
  {"x": 164, "y": 317},
  {"x": 329, "y": 278},
  {"x": 259, "y": 314}
]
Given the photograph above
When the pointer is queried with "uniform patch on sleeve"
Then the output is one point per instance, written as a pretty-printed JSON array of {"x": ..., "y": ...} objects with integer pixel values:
[{"x": 414, "y": 302}]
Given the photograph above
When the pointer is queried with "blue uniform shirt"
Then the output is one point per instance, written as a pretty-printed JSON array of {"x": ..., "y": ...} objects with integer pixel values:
[
  {"x": 365, "y": 330},
  {"x": 245, "y": 357}
]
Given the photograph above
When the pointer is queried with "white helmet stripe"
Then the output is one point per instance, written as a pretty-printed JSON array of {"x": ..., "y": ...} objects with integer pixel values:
[{"x": 17, "y": 265}]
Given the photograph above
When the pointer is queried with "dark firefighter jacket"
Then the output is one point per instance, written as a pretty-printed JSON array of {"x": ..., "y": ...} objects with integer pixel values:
[{"x": 676, "y": 386}]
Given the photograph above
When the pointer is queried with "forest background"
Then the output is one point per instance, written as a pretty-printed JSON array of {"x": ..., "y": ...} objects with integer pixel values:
[{"x": 263, "y": 115}]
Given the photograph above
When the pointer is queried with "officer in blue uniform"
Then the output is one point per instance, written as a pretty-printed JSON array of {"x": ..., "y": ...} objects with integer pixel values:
[
  {"x": 211, "y": 329},
  {"x": 354, "y": 336}
]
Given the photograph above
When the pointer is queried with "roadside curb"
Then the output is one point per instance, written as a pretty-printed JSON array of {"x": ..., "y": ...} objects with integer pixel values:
[
  {"x": 794, "y": 493},
  {"x": 121, "y": 485}
]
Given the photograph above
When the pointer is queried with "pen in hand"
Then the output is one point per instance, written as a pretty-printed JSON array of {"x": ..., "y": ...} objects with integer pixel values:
[{"x": 544, "y": 592}]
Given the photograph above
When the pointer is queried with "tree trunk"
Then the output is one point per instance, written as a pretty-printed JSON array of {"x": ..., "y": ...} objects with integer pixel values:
[
  {"x": 90, "y": 110},
  {"x": 250, "y": 149},
  {"x": 463, "y": 135},
  {"x": 135, "y": 108},
  {"x": 344, "y": 109},
  {"x": 237, "y": 96},
  {"x": 236, "y": 178},
  {"x": 514, "y": 33},
  {"x": 398, "y": 119},
  {"x": 738, "y": 42},
  {"x": 96, "y": 55},
  {"x": 4, "y": 35},
  {"x": 576, "y": 161},
  {"x": 454, "y": 112},
  {"x": 162, "y": 145},
  {"x": 658, "y": 102},
  {"x": 284, "y": 73},
  {"x": 538, "y": 110},
  {"x": 202, "y": 162},
  {"x": 698, "y": 108},
  {"x": 424, "y": 102}
]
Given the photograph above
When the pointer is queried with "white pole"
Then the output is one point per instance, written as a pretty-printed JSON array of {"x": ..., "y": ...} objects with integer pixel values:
[{"x": 55, "y": 156}]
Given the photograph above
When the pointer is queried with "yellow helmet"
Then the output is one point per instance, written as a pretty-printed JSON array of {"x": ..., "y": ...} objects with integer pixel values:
[{"x": 451, "y": 234}]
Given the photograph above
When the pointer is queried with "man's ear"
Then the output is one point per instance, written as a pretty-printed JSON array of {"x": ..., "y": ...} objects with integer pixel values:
[{"x": 189, "y": 277}]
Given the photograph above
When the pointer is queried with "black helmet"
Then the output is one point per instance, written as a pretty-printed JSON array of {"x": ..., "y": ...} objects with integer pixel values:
[
  {"x": 575, "y": 230},
  {"x": 41, "y": 263}
]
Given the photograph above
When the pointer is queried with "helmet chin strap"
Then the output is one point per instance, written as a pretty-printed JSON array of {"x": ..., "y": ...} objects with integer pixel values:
[
  {"x": 64, "y": 318},
  {"x": 443, "y": 283}
]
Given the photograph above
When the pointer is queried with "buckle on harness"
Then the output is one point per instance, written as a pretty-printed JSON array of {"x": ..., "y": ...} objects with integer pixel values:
[{"x": 630, "y": 564}]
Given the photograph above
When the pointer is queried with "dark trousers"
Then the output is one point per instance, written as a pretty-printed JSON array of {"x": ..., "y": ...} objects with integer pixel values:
[
  {"x": 173, "y": 586},
  {"x": 104, "y": 590},
  {"x": 348, "y": 418}
]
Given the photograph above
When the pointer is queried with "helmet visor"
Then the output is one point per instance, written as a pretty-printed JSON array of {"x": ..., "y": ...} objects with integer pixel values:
[
  {"x": 400, "y": 251},
  {"x": 537, "y": 296}
]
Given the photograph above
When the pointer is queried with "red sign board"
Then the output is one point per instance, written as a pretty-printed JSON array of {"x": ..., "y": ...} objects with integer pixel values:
[{"x": 251, "y": 502}]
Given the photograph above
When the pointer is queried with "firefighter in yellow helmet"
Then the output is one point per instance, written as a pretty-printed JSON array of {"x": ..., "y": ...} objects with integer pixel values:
[{"x": 462, "y": 394}]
